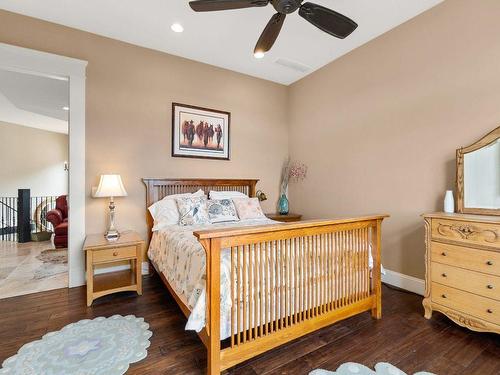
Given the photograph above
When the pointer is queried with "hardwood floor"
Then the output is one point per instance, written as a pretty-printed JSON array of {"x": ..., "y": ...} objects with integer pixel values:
[{"x": 403, "y": 337}]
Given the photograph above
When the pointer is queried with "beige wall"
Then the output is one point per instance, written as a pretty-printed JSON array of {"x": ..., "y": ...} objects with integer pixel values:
[
  {"x": 379, "y": 127},
  {"x": 32, "y": 159},
  {"x": 128, "y": 126}
]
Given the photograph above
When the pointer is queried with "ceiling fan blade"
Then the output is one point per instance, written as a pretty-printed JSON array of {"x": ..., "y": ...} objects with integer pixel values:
[
  {"x": 329, "y": 21},
  {"x": 270, "y": 33},
  {"x": 213, "y": 5}
]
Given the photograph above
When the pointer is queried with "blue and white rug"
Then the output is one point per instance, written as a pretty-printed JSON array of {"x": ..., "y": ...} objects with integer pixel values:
[
  {"x": 102, "y": 346},
  {"x": 350, "y": 368}
]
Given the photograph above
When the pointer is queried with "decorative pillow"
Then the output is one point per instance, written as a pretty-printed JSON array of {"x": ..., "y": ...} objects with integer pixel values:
[
  {"x": 226, "y": 194},
  {"x": 192, "y": 210},
  {"x": 221, "y": 210},
  {"x": 248, "y": 208},
  {"x": 165, "y": 212}
]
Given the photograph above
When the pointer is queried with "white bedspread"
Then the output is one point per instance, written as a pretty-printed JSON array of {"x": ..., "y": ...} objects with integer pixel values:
[{"x": 181, "y": 259}]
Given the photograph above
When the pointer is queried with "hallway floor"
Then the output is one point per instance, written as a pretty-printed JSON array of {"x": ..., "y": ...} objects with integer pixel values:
[{"x": 31, "y": 267}]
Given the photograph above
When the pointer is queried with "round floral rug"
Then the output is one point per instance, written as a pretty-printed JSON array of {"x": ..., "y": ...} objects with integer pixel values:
[
  {"x": 102, "y": 346},
  {"x": 351, "y": 368}
]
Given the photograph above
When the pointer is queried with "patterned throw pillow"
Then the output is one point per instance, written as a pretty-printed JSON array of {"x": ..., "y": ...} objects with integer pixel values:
[
  {"x": 248, "y": 208},
  {"x": 192, "y": 210},
  {"x": 221, "y": 210},
  {"x": 165, "y": 211}
]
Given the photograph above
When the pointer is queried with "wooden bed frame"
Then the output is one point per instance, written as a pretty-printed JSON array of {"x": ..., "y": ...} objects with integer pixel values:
[{"x": 287, "y": 280}]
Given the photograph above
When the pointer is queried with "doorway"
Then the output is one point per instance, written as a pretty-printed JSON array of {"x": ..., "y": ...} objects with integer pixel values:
[
  {"x": 33, "y": 183},
  {"x": 45, "y": 66}
]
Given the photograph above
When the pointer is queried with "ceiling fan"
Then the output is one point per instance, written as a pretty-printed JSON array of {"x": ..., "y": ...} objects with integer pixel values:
[{"x": 329, "y": 21}]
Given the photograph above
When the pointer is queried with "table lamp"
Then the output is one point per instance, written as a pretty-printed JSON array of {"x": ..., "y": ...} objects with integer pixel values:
[{"x": 111, "y": 186}]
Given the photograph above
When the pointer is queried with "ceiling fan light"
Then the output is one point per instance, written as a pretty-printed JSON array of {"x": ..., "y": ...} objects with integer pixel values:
[
  {"x": 177, "y": 28},
  {"x": 259, "y": 54}
]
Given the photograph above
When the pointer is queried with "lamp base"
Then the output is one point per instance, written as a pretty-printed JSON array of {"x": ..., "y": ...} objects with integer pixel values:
[{"x": 112, "y": 235}]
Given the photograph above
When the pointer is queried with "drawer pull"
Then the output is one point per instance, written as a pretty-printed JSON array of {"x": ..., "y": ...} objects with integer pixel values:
[
  {"x": 490, "y": 311},
  {"x": 443, "y": 254},
  {"x": 489, "y": 286},
  {"x": 115, "y": 253},
  {"x": 443, "y": 295},
  {"x": 489, "y": 263},
  {"x": 443, "y": 274}
]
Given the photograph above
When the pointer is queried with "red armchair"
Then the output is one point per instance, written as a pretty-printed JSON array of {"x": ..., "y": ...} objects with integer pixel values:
[{"x": 58, "y": 217}]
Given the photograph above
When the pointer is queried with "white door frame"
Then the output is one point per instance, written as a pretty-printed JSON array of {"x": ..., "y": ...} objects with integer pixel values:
[{"x": 46, "y": 64}]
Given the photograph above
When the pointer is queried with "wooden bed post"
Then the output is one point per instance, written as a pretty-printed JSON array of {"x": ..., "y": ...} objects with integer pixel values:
[
  {"x": 377, "y": 286},
  {"x": 212, "y": 248},
  {"x": 252, "y": 188}
]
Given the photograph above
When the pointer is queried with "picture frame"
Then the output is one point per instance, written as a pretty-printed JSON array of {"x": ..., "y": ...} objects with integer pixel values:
[{"x": 199, "y": 132}]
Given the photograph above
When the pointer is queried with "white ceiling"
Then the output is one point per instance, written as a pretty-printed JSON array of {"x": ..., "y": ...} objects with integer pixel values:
[
  {"x": 34, "y": 101},
  {"x": 227, "y": 38}
]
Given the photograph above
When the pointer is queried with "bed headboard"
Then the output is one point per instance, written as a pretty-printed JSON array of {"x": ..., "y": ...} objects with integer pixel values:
[{"x": 158, "y": 188}]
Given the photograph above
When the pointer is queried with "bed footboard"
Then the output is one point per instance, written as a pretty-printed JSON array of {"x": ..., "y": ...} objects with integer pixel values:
[{"x": 288, "y": 280}]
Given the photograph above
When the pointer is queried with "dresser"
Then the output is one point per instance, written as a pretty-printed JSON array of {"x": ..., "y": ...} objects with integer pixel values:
[{"x": 463, "y": 269}]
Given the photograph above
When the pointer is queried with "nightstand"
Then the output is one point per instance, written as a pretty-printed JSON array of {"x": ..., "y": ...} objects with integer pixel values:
[
  {"x": 288, "y": 218},
  {"x": 101, "y": 252}
]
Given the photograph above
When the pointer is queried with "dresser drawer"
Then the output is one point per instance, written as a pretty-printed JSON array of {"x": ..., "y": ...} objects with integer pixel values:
[
  {"x": 118, "y": 253},
  {"x": 464, "y": 257},
  {"x": 469, "y": 281},
  {"x": 466, "y": 232},
  {"x": 471, "y": 304}
]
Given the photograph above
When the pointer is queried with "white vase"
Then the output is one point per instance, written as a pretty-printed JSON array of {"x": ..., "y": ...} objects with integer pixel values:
[{"x": 449, "y": 202}]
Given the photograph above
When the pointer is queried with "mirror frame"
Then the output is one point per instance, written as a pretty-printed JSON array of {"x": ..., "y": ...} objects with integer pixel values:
[{"x": 483, "y": 142}]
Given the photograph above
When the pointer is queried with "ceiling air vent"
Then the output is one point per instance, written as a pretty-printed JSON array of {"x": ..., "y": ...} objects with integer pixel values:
[{"x": 293, "y": 65}]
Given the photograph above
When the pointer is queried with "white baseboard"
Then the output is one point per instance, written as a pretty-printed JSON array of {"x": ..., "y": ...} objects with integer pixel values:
[
  {"x": 99, "y": 271},
  {"x": 403, "y": 281}
]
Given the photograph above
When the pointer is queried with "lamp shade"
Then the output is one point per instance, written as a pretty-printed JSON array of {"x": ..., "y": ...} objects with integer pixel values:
[{"x": 110, "y": 185}]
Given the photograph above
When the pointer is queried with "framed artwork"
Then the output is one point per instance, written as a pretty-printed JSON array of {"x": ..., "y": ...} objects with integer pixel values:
[{"x": 200, "y": 132}]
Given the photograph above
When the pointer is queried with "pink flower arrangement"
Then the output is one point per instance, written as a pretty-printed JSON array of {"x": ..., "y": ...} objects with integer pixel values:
[
  {"x": 298, "y": 171},
  {"x": 294, "y": 171}
]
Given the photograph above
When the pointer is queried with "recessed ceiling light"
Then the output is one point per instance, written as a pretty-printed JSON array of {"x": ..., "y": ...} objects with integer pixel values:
[
  {"x": 177, "y": 27},
  {"x": 65, "y": 108},
  {"x": 259, "y": 54}
]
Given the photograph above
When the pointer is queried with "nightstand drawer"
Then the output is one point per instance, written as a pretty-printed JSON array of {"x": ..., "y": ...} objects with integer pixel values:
[
  {"x": 469, "y": 281},
  {"x": 114, "y": 254},
  {"x": 480, "y": 307},
  {"x": 464, "y": 257}
]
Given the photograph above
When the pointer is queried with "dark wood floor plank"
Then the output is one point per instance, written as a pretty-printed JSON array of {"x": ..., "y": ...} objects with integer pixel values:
[
  {"x": 487, "y": 363},
  {"x": 403, "y": 337}
]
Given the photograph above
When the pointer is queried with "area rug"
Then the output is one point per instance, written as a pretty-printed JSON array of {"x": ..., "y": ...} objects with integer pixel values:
[
  {"x": 55, "y": 256},
  {"x": 54, "y": 262},
  {"x": 102, "y": 346},
  {"x": 350, "y": 368}
]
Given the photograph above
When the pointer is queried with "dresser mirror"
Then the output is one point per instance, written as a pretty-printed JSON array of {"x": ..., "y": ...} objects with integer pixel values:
[{"x": 478, "y": 176}]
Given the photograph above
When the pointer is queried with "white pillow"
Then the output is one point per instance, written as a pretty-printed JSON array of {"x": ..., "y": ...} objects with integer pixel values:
[
  {"x": 248, "y": 208},
  {"x": 226, "y": 194},
  {"x": 165, "y": 212}
]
